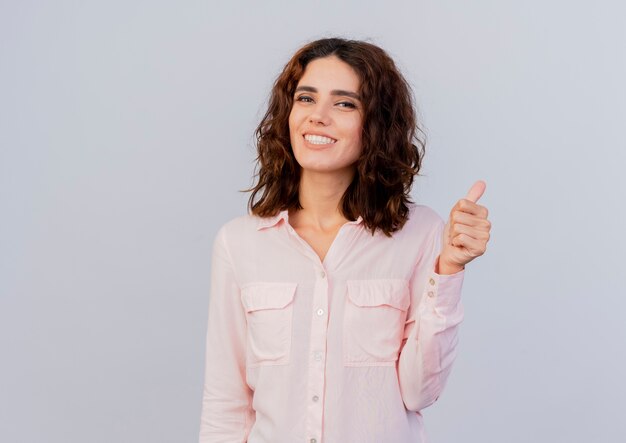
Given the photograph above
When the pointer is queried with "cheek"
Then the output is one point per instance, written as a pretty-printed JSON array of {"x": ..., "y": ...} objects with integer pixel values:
[
  {"x": 292, "y": 126},
  {"x": 356, "y": 130},
  {"x": 358, "y": 138},
  {"x": 355, "y": 124},
  {"x": 293, "y": 120}
]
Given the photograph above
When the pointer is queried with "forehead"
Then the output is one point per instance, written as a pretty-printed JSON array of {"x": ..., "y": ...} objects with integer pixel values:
[{"x": 330, "y": 73}]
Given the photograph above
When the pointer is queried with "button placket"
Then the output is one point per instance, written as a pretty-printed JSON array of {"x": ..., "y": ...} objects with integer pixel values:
[{"x": 316, "y": 370}]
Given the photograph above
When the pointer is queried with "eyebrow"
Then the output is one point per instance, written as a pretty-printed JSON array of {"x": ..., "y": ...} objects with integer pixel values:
[{"x": 333, "y": 92}]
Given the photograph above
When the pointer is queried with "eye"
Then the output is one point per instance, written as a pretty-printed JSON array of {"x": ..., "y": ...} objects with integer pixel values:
[
  {"x": 304, "y": 98},
  {"x": 347, "y": 104}
]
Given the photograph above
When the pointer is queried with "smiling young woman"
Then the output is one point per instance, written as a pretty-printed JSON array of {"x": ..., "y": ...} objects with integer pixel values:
[{"x": 335, "y": 302}]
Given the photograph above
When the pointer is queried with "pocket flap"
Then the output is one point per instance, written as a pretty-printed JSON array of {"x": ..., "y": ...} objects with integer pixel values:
[
  {"x": 392, "y": 292},
  {"x": 267, "y": 295}
]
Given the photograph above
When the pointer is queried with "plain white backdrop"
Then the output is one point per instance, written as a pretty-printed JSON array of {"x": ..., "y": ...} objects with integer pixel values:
[{"x": 126, "y": 133}]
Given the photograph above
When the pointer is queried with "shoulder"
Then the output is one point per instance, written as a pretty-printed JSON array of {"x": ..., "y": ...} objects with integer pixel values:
[
  {"x": 422, "y": 226},
  {"x": 238, "y": 226},
  {"x": 423, "y": 217}
]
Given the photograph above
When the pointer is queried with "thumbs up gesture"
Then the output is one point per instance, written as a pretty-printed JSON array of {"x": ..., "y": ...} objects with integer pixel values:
[{"x": 466, "y": 233}]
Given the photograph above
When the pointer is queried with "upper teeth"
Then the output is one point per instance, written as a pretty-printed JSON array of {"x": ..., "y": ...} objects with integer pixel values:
[{"x": 319, "y": 139}]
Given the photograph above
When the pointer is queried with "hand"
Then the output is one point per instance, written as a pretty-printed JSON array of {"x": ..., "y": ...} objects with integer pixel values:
[{"x": 466, "y": 233}]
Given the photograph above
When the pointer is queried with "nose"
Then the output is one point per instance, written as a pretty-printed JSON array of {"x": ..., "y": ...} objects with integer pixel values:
[{"x": 319, "y": 115}]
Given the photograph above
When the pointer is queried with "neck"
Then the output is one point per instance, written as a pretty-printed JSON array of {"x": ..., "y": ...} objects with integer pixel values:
[{"x": 320, "y": 195}]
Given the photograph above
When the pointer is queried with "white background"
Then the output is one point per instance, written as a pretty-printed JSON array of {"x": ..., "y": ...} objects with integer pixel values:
[{"x": 126, "y": 131}]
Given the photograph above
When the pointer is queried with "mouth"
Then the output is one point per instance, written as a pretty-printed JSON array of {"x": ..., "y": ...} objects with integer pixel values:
[{"x": 319, "y": 141}]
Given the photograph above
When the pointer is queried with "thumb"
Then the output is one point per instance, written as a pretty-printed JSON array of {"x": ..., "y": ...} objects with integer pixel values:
[{"x": 476, "y": 191}]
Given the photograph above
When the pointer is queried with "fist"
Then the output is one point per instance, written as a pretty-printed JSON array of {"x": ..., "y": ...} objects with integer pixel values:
[{"x": 466, "y": 233}]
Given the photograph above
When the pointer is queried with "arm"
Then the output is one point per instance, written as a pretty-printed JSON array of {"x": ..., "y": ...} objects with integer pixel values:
[
  {"x": 430, "y": 337},
  {"x": 227, "y": 414}
]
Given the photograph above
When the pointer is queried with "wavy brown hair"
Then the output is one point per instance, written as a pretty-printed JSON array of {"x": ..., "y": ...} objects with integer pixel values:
[{"x": 392, "y": 149}]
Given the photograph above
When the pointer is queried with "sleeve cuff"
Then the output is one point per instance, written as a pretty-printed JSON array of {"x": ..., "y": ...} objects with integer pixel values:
[{"x": 444, "y": 290}]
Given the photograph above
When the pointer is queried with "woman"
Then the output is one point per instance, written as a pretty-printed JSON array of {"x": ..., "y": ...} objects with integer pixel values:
[{"x": 335, "y": 303}]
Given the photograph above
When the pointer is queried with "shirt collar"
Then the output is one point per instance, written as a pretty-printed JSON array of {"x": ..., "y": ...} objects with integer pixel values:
[{"x": 268, "y": 222}]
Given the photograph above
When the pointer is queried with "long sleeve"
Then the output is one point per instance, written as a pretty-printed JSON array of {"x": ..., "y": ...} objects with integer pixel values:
[
  {"x": 227, "y": 414},
  {"x": 431, "y": 329}
]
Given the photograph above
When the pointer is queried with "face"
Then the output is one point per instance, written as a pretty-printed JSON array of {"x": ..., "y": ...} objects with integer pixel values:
[{"x": 326, "y": 121}]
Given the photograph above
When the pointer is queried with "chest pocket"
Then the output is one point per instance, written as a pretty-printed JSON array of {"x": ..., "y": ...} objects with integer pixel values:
[
  {"x": 374, "y": 317},
  {"x": 269, "y": 314}
]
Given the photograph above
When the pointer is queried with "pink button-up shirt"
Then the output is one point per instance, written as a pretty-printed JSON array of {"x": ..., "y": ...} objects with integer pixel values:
[{"x": 349, "y": 349}]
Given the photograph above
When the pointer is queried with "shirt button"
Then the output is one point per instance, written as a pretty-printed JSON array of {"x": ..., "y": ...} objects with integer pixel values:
[
  {"x": 315, "y": 398},
  {"x": 431, "y": 294},
  {"x": 320, "y": 312},
  {"x": 313, "y": 440},
  {"x": 318, "y": 356},
  {"x": 322, "y": 274},
  {"x": 432, "y": 282}
]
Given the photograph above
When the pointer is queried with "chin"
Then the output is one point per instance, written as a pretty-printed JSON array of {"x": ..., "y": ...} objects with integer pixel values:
[{"x": 326, "y": 168}]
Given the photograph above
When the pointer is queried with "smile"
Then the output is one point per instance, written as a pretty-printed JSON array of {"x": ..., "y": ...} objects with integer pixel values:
[{"x": 319, "y": 139}]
